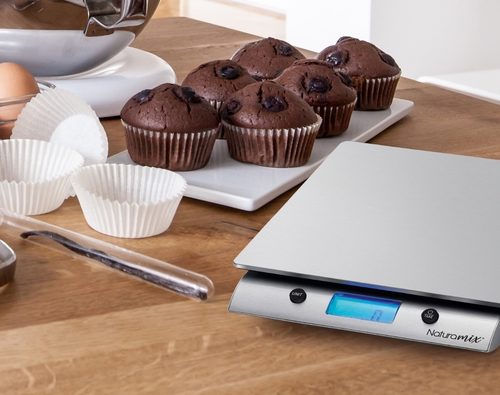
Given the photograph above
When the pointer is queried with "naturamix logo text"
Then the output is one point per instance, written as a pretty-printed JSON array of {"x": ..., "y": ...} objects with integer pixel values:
[{"x": 454, "y": 336}]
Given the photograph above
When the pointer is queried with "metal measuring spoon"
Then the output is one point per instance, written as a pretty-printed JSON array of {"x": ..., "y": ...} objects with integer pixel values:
[{"x": 7, "y": 263}]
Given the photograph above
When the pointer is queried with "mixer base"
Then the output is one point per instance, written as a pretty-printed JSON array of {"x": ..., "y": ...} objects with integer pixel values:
[{"x": 107, "y": 87}]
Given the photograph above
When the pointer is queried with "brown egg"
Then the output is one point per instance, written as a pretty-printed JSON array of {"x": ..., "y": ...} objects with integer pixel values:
[{"x": 15, "y": 81}]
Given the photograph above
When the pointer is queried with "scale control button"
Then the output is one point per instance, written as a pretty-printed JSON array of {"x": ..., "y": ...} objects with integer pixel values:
[
  {"x": 298, "y": 295},
  {"x": 430, "y": 316}
]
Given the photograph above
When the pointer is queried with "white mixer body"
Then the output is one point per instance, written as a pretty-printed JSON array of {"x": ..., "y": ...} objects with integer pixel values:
[{"x": 64, "y": 37}]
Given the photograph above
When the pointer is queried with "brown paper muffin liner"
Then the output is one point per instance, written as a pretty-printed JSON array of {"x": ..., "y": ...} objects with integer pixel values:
[
  {"x": 335, "y": 119},
  {"x": 272, "y": 147},
  {"x": 178, "y": 151},
  {"x": 217, "y": 105},
  {"x": 376, "y": 93}
]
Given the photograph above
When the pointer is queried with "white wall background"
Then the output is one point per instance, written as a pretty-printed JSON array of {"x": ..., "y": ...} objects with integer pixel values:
[
  {"x": 440, "y": 36},
  {"x": 316, "y": 24},
  {"x": 274, "y": 5},
  {"x": 426, "y": 37},
  {"x": 251, "y": 16}
]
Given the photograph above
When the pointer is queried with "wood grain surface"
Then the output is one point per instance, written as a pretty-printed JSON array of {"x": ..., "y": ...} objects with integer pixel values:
[{"x": 72, "y": 327}]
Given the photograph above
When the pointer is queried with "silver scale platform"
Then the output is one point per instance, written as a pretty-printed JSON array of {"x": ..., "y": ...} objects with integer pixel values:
[{"x": 386, "y": 241}]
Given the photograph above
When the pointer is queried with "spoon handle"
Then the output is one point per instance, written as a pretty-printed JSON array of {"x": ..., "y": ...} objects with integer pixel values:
[{"x": 142, "y": 267}]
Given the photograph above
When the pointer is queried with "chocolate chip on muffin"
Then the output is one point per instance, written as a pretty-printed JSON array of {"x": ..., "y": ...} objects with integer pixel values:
[
  {"x": 229, "y": 72},
  {"x": 143, "y": 96}
]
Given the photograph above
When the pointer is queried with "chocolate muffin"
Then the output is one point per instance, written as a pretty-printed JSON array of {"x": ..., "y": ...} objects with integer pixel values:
[
  {"x": 267, "y": 58},
  {"x": 329, "y": 92},
  {"x": 374, "y": 73},
  {"x": 216, "y": 80},
  {"x": 269, "y": 125},
  {"x": 170, "y": 127}
]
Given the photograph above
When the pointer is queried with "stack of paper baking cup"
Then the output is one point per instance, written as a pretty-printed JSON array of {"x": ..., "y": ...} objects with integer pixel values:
[
  {"x": 127, "y": 200},
  {"x": 34, "y": 175},
  {"x": 61, "y": 117}
]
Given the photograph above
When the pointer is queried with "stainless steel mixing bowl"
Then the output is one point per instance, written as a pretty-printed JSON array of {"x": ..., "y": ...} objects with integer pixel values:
[{"x": 61, "y": 37}]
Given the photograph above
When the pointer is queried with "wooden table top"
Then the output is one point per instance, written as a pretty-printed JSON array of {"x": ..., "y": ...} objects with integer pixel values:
[{"x": 72, "y": 327}]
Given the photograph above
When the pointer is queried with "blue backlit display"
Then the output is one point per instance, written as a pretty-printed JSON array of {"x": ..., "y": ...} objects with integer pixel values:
[{"x": 363, "y": 307}]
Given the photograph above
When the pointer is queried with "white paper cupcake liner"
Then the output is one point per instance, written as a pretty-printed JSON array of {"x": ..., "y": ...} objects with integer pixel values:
[
  {"x": 127, "y": 200},
  {"x": 178, "y": 151},
  {"x": 34, "y": 175},
  {"x": 377, "y": 93},
  {"x": 272, "y": 147},
  {"x": 217, "y": 104},
  {"x": 61, "y": 117},
  {"x": 335, "y": 119}
]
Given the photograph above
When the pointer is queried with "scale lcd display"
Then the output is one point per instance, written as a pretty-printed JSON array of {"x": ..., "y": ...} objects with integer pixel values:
[{"x": 363, "y": 307}]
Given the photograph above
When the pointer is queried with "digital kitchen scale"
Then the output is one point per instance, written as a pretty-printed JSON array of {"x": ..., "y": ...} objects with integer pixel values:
[{"x": 386, "y": 241}]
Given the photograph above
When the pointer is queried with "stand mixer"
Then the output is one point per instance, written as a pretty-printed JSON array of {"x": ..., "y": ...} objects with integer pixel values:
[{"x": 82, "y": 46}]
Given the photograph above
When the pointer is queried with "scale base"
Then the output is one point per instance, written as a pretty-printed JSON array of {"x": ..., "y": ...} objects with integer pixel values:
[
  {"x": 459, "y": 325},
  {"x": 107, "y": 87}
]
